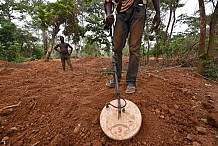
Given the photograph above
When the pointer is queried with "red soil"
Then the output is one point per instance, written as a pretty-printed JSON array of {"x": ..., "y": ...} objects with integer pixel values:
[{"x": 47, "y": 106}]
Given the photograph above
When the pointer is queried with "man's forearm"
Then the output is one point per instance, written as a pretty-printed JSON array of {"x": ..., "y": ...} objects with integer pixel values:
[
  {"x": 156, "y": 4},
  {"x": 56, "y": 50},
  {"x": 108, "y": 7}
]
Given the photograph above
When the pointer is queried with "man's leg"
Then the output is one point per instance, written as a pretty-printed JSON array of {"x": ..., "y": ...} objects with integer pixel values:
[
  {"x": 120, "y": 34},
  {"x": 136, "y": 30},
  {"x": 63, "y": 64},
  {"x": 69, "y": 63}
]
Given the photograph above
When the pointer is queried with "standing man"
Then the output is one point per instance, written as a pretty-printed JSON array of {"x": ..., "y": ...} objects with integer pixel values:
[
  {"x": 130, "y": 22},
  {"x": 65, "y": 55}
]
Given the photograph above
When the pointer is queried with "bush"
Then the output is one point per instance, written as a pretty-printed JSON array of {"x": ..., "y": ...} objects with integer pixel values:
[
  {"x": 89, "y": 50},
  {"x": 12, "y": 53},
  {"x": 37, "y": 52},
  {"x": 2, "y": 52},
  {"x": 210, "y": 70}
]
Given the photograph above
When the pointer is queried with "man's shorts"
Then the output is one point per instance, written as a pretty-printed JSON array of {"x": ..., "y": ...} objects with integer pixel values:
[{"x": 65, "y": 56}]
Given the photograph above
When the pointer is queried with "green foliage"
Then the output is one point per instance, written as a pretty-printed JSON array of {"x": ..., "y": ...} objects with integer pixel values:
[
  {"x": 94, "y": 28},
  {"x": 88, "y": 1},
  {"x": 12, "y": 53},
  {"x": 84, "y": 20},
  {"x": 7, "y": 32},
  {"x": 15, "y": 43},
  {"x": 180, "y": 45},
  {"x": 2, "y": 52},
  {"x": 9, "y": 40},
  {"x": 73, "y": 29},
  {"x": 53, "y": 15},
  {"x": 90, "y": 50},
  {"x": 37, "y": 52},
  {"x": 210, "y": 70}
]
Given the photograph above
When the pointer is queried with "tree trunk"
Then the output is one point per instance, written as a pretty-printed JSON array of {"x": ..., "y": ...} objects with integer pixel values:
[
  {"x": 45, "y": 41},
  {"x": 158, "y": 51},
  {"x": 201, "y": 48},
  {"x": 146, "y": 40},
  {"x": 212, "y": 34},
  {"x": 167, "y": 28},
  {"x": 148, "y": 52},
  {"x": 51, "y": 46},
  {"x": 173, "y": 24},
  {"x": 170, "y": 17},
  {"x": 171, "y": 30}
]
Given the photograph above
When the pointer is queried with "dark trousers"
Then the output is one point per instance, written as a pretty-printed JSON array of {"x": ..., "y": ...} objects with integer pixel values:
[{"x": 129, "y": 24}]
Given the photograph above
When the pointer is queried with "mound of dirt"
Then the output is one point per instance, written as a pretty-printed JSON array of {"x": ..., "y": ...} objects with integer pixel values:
[{"x": 41, "y": 106}]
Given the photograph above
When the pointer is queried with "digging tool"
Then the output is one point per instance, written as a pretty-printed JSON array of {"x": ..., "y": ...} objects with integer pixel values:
[{"x": 120, "y": 119}]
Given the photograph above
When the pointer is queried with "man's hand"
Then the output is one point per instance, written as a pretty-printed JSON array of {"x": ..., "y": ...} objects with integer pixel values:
[
  {"x": 109, "y": 20},
  {"x": 156, "y": 21}
]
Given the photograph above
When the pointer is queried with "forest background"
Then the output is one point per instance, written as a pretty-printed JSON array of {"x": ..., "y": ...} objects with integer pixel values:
[{"x": 29, "y": 29}]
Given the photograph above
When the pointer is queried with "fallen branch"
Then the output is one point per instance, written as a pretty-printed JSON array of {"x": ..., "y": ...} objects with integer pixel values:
[
  {"x": 10, "y": 106},
  {"x": 158, "y": 70},
  {"x": 156, "y": 76},
  {"x": 36, "y": 143}
]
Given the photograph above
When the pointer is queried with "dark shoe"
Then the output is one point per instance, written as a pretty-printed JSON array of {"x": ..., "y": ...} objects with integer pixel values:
[{"x": 130, "y": 88}]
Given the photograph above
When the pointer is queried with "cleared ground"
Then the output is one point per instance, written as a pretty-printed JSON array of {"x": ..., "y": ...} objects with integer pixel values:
[{"x": 40, "y": 106}]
